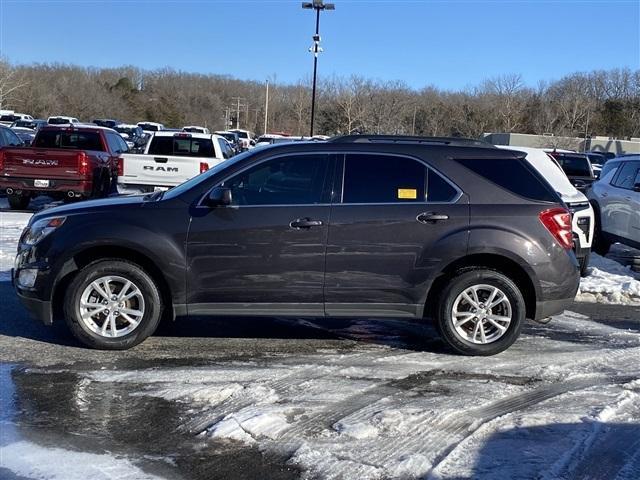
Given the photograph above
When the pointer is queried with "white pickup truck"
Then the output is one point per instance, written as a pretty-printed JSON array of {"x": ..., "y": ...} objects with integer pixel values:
[{"x": 169, "y": 159}]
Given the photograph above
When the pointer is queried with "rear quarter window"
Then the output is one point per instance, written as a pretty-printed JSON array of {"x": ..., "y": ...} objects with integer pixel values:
[{"x": 514, "y": 175}]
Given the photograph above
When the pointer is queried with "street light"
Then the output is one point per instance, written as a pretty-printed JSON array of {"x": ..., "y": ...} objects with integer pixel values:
[{"x": 316, "y": 5}]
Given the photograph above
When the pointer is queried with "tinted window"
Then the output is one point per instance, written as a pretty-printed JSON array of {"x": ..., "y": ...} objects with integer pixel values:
[
  {"x": 292, "y": 180},
  {"x": 513, "y": 175},
  {"x": 607, "y": 167},
  {"x": 627, "y": 175},
  {"x": 72, "y": 139},
  {"x": 383, "y": 179},
  {"x": 438, "y": 189},
  {"x": 574, "y": 165},
  {"x": 185, "y": 147},
  {"x": 9, "y": 138}
]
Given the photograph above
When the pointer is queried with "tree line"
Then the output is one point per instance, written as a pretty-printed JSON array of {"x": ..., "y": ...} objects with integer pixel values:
[{"x": 581, "y": 104}]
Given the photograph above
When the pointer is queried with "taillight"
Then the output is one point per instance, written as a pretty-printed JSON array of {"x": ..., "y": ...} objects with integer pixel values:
[
  {"x": 558, "y": 222},
  {"x": 120, "y": 166},
  {"x": 83, "y": 164},
  {"x": 1, "y": 159},
  {"x": 204, "y": 166}
]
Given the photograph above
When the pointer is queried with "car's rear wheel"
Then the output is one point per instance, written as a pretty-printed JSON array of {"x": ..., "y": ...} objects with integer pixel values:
[
  {"x": 481, "y": 312},
  {"x": 19, "y": 202},
  {"x": 112, "y": 305}
]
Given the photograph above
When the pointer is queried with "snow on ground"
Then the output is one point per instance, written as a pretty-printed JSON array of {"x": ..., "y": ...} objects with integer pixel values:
[
  {"x": 11, "y": 225},
  {"x": 547, "y": 407},
  {"x": 609, "y": 282}
]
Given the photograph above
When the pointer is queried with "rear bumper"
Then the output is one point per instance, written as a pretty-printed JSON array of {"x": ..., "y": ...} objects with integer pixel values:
[{"x": 26, "y": 184}]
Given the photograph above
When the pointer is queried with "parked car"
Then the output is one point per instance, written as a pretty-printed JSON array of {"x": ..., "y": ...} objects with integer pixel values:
[
  {"x": 135, "y": 137},
  {"x": 616, "y": 200},
  {"x": 151, "y": 126},
  {"x": 246, "y": 138},
  {"x": 25, "y": 134},
  {"x": 106, "y": 122},
  {"x": 577, "y": 167},
  {"x": 233, "y": 138},
  {"x": 169, "y": 159},
  {"x": 34, "y": 124},
  {"x": 8, "y": 138},
  {"x": 452, "y": 230},
  {"x": 8, "y": 117},
  {"x": 69, "y": 162},
  {"x": 62, "y": 120},
  {"x": 195, "y": 129},
  {"x": 582, "y": 216},
  {"x": 597, "y": 161}
]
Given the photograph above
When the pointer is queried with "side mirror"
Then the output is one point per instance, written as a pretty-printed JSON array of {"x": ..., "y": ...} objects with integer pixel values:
[
  {"x": 636, "y": 187},
  {"x": 219, "y": 197}
]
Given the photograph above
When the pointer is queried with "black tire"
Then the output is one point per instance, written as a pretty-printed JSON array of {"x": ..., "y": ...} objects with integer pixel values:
[
  {"x": 19, "y": 202},
  {"x": 456, "y": 286},
  {"x": 601, "y": 245},
  {"x": 584, "y": 265},
  {"x": 119, "y": 268}
]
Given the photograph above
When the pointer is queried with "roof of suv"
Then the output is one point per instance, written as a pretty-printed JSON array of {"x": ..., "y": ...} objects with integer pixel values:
[{"x": 452, "y": 141}]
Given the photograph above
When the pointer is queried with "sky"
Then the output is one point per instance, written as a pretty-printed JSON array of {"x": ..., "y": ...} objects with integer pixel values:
[{"x": 448, "y": 44}]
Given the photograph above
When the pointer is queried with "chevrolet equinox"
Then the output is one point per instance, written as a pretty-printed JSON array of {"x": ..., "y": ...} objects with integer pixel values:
[{"x": 452, "y": 231}]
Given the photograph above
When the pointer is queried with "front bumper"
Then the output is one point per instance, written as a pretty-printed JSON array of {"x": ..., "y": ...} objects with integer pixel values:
[{"x": 30, "y": 298}]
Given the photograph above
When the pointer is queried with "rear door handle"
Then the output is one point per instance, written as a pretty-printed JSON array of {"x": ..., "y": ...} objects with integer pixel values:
[
  {"x": 431, "y": 217},
  {"x": 304, "y": 223},
  {"x": 605, "y": 194}
]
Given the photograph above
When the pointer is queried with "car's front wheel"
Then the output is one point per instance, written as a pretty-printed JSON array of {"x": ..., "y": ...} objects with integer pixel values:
[
  {"x": 112, "y": 304},
  {"x": 481, "y": 312}
]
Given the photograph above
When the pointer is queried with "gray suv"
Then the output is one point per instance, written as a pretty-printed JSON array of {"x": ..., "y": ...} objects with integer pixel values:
[
  {"x": 450, "y": 230},
  {"x": 615, "y": 198}
]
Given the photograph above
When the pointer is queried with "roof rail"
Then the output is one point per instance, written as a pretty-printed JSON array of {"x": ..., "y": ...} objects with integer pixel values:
[{"x": 454, "y": 141}]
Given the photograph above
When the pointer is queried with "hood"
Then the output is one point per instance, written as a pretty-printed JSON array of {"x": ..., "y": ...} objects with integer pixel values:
[{"x": 91, "y": 206}]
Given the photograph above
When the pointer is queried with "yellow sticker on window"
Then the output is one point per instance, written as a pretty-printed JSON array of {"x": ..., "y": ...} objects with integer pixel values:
[{"x": 407, "y": 193}]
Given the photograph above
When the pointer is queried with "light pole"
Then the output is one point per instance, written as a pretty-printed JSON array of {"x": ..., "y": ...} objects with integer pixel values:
[
  {"x": 266, "y": 108},
  {"x": 316, "y": 5}
]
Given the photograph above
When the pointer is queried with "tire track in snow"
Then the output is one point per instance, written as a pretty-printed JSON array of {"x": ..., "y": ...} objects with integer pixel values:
[
  {"x": 282, "y": 387},
  {"x": 463, "y": 428}
]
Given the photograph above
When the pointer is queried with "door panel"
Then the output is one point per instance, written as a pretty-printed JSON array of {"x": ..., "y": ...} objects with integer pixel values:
[
  {"x": 253, "y": 255},
  {"x": 264, "y": 253},
  {"x": 381, "y": 258},
  {"x": 395, "y": 222}
]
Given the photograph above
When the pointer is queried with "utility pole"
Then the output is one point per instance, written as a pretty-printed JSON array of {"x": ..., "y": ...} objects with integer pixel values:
[
  {"x": 316, "y": 5},
  {"x": 266, "y": 108},
  {"x": 238, "y": 105}
]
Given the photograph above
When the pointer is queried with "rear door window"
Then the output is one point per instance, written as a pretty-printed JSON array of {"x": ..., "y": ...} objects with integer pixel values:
[{"x": 392, "y": 179}]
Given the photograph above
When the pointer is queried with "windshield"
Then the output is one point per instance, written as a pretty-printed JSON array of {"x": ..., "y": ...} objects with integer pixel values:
[
  {"x": 575, "y": 166},
  {"x": 149, "y": 128},
  {"x": 203, "y": 177},
  {"x": 8, "y": 118},
  {"x": 59, "y": 121}
]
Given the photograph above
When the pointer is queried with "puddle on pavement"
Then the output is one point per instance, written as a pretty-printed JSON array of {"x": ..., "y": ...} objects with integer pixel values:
[{"x": 62, "y": 409}]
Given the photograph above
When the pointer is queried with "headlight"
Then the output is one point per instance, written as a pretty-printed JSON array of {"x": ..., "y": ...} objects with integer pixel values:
[{"x": 40, "y": 229}]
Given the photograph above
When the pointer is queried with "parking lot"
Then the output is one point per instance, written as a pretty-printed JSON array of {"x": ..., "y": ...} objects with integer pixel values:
[{"x": 300, "y": 398}]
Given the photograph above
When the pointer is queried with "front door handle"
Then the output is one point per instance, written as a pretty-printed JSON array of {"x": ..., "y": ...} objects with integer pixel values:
[
  {"x": 431, "y": 217},
  {"x": 305, "y": 223}
]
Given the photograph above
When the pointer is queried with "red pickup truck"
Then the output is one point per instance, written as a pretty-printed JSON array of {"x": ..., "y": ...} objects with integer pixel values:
[{"x": 65, "y": 162}]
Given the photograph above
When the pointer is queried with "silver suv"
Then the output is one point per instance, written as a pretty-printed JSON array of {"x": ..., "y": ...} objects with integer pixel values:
[{"x": 616, "y": 202}]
